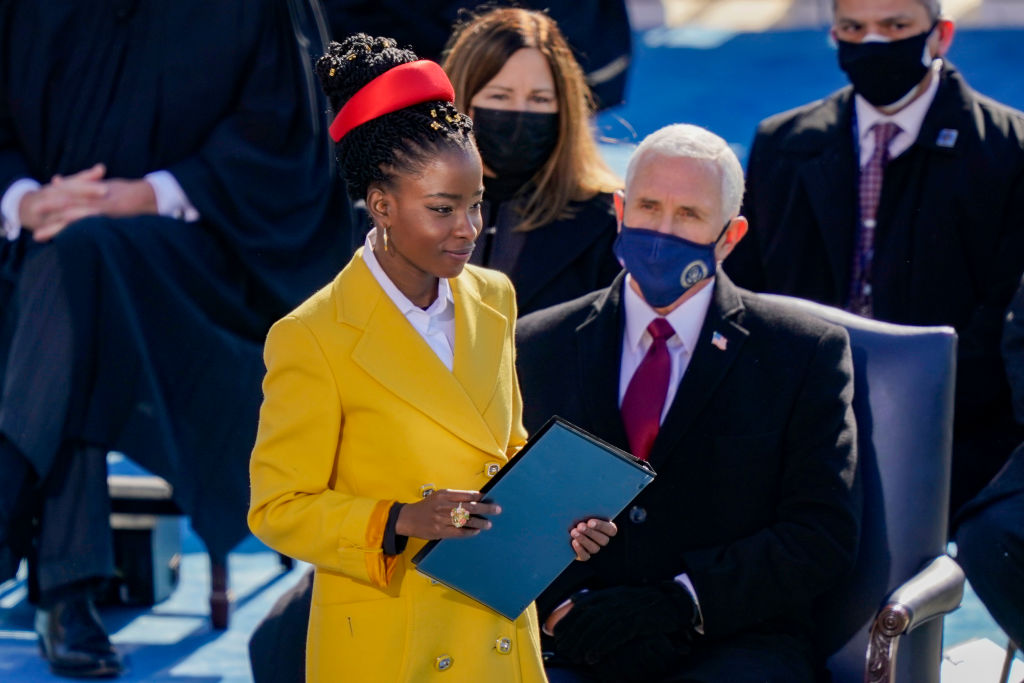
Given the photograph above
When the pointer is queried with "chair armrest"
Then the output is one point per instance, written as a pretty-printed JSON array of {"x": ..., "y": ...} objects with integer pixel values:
[{"x": 935, "y": 590}]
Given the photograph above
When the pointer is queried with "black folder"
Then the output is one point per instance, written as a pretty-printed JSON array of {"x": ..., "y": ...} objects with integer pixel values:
[{"x": 561, "y": 477}]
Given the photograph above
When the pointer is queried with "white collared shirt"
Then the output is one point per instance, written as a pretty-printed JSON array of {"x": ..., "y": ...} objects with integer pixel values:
[
  {"x": 686, "y": 320},
  {"x": 909, "y": 119},
  {"x": 436, "y": 323}
]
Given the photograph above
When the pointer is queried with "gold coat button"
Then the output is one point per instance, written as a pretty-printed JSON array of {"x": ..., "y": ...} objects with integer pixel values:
[
  {"x": 426, "y": 490},
  {"x": 443, "y": 663},
  {"x": 491, "y": 468},
  {"x": 503, "y": 645}
]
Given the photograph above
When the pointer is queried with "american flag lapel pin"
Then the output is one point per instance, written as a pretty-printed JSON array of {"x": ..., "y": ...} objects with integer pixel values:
[
  {"x": 946, "y": 138},
  {"x": 719, "y": 341}
]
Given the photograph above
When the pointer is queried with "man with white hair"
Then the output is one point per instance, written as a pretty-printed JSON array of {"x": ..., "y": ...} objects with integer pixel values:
[
  {"x": 899, "y": 198},
  {"x": 741, "y": 405}
]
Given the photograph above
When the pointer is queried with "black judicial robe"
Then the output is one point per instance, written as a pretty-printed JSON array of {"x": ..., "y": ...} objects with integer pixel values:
[{"x": 169, "y": 316}]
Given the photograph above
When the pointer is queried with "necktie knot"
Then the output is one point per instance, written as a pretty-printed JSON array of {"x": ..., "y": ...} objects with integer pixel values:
[
  {"x": 884, "y": 133},
  {"x": 660, "y": 329}
]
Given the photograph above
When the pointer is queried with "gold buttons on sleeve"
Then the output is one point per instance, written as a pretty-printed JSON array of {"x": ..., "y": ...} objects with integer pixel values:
[
  {"x": 491, "y": 468},
  {"x": 503, "y": 645},
  {"x": 443, "y": 663}
]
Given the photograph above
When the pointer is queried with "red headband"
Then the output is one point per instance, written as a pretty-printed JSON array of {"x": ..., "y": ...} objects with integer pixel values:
[{"x": 396, "y": 88}]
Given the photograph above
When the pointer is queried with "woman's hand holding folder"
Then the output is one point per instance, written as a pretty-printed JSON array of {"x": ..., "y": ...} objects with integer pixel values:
[{"x": 436, "y": 516}]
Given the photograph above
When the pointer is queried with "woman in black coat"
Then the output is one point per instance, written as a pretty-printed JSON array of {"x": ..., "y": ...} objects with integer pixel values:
[{"x": 548, "y": 217}]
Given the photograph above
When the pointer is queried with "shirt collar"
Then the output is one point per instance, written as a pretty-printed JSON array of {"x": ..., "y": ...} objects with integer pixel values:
[
  {"x": 686, "y": 320},
  {"x": 407, "y": 307},
  {"x": 909, "y": 119}
]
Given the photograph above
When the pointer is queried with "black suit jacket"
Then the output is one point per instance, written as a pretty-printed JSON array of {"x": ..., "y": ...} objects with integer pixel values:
[
  {"x": 755, "y": 497},
  {"x": 1010, "y": 480},
  {"x": 949, "y": 246}
]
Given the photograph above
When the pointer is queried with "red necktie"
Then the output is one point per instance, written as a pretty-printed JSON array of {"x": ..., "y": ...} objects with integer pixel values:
[
  {"x": 870, "y": 193},
  {"x": 645, "y": 395}
]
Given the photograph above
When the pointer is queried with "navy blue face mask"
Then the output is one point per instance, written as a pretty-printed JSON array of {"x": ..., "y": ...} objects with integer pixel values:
[{"x": 664, "y": 266}]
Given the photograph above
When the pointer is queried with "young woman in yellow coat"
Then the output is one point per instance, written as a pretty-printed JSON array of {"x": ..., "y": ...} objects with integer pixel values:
[{"x": 391, "y": 396}]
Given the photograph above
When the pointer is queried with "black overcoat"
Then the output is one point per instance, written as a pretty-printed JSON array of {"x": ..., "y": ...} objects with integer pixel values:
[
  {"x": 949, "y": 246},
  {"x": 756, "y": 498},
  {"x": 558, "y": 261}
]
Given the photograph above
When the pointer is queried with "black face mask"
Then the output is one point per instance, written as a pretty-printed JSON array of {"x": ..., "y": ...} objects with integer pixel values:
[
  {"x": 882, "y": 73},
  {"x": 514, "y": 144}
]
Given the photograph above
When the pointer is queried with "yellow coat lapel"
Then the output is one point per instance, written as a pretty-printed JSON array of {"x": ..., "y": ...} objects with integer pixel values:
[
  {"x": 393, "y": 353},
  {"x": 480, "y": 333}
]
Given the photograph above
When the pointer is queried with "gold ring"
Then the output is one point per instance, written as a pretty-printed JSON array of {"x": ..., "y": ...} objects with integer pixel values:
[{"x": 460, "y": 516}]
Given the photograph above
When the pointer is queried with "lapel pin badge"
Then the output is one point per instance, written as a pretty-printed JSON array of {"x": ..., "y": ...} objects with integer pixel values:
[
  {"x": 719, "y": 341},
  {"x": 947, "y": 138}
]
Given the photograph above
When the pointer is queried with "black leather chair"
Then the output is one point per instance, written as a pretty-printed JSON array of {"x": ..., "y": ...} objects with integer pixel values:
[{"x": 903, "y": 581}]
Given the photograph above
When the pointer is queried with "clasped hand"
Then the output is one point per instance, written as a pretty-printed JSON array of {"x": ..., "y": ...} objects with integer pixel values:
[
  {"x": 65, "y": 199},
  {"x": 431, "y": 518}
]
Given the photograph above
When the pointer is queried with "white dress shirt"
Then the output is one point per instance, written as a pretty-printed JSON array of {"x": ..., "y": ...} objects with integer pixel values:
[
  {"x": 686, "y": 320},
  {"x": 909, "y": 119},
  {"x": 171, "y": 201},
  {"x": 436, "y": 323}
]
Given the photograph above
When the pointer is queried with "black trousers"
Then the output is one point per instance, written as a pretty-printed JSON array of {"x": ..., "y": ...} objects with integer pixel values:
[
  {"x": 990, "y": 546},
  {"x": 743, "y": 658},
  {"x": 43, "y": 375}
]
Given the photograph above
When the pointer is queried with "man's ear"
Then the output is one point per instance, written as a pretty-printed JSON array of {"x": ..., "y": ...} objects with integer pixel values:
[
  {"x": 946, "y": 28},
  {"x": 619, "y": 199},
  {"x": 736, "y": 231}
]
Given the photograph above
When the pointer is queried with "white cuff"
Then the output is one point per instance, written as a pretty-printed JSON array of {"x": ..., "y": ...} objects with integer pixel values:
[
  {"x": 171, "y": 200},
  {"x": 685, "y": 582},
  {"x": 10, "y": 206}
]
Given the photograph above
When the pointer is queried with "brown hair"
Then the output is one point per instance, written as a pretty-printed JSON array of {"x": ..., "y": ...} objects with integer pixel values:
[{"x": 575, "y": 171}]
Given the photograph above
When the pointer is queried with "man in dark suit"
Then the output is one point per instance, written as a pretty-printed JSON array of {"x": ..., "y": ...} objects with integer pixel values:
[
  {"x": 741, "y": 405},
  {"x": 990, "y": 537},
  {"x": 898, "y": 197}
]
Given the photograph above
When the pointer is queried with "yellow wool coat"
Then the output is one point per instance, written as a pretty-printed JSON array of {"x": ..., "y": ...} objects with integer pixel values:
[{"x": 359, "y": 412}]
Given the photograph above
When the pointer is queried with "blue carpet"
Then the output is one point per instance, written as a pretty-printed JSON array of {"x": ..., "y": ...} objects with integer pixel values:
[{"x": 172, "y": 641}]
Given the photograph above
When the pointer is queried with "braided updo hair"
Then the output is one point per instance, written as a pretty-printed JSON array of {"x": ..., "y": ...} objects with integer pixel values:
[{"x": 402, "y": 140}]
